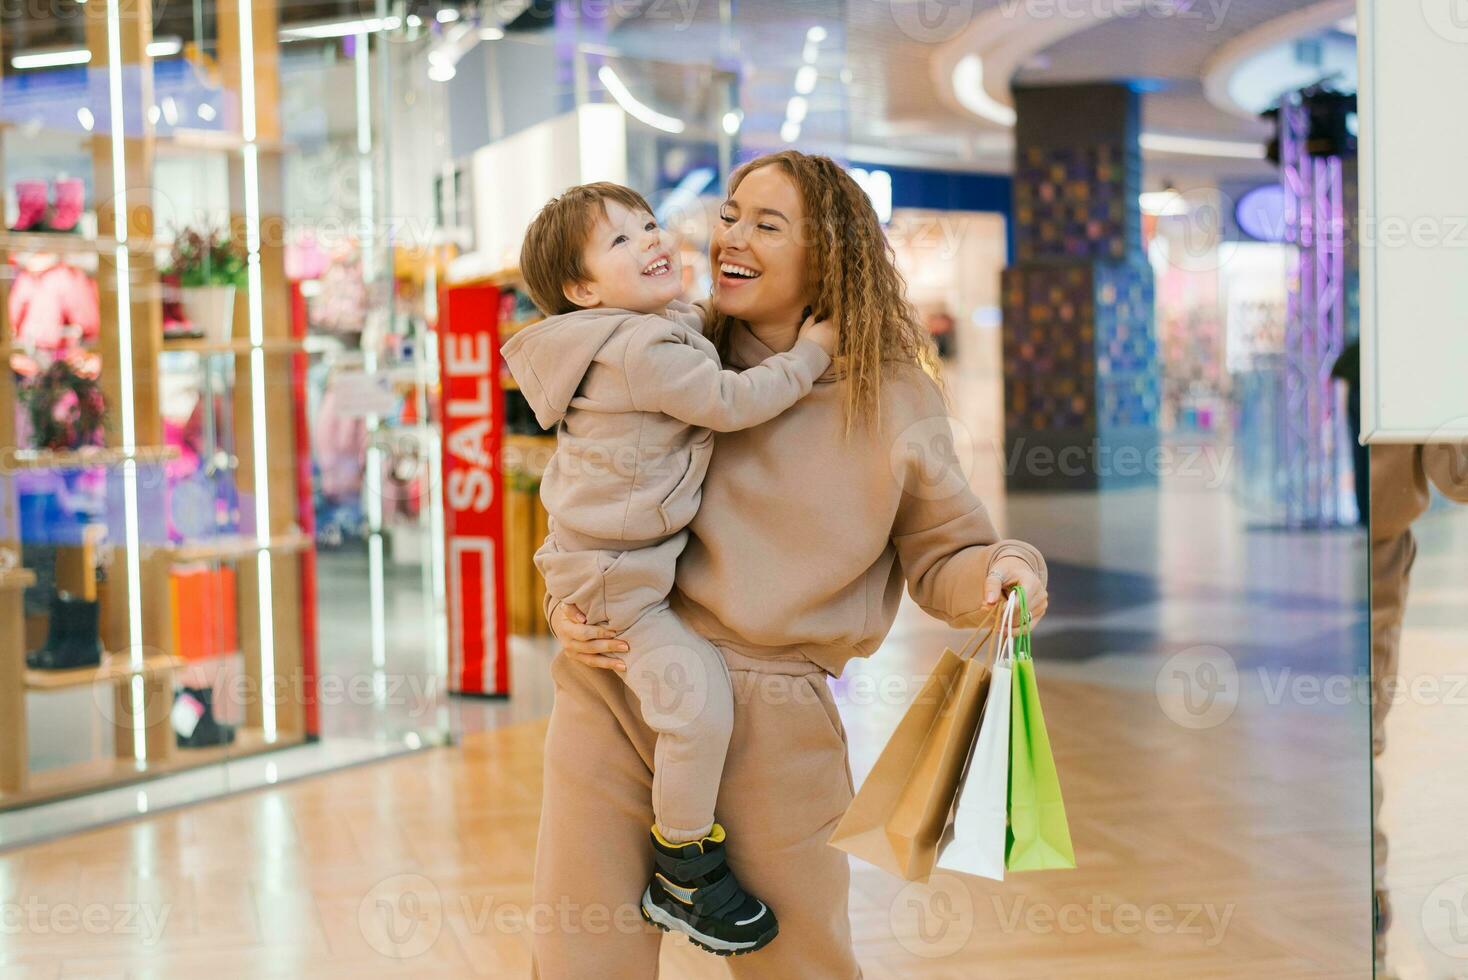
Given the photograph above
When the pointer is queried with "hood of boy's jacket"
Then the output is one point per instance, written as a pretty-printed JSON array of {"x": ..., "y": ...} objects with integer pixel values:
[{"x": 550, "y": 358}]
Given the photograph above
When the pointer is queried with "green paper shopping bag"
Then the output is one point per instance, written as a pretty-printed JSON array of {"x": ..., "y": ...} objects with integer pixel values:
[{"x": 1039, "y": 836}]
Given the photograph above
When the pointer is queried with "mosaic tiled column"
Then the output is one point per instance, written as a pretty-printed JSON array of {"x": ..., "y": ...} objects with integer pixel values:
[{"x": 1081, "y": 364}]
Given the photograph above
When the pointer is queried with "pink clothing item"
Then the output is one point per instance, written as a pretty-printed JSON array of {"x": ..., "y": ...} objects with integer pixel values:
[
  {"x": 43, "y": 303},
  {"x": 341, "y": 448}
]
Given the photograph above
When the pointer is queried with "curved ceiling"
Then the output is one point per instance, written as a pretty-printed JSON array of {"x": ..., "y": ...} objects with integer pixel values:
[
  {"x": 887, "y": 71},
  {"x": 1182, "y": 53}
]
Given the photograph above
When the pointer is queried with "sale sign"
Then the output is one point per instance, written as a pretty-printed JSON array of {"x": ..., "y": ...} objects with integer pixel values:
[{"x": 473, "y": 430}]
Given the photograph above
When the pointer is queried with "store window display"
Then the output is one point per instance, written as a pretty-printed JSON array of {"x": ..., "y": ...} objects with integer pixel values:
[
  {"x": 158, "y": 515},
  {"x": 53, "y": 304}
]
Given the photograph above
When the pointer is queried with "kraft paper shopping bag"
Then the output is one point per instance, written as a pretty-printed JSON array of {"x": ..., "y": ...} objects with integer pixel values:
[
  {"x": 974, "y": 840},
  {"x": 1039, "y": 835},
  {"x": 899, "y": 813}
]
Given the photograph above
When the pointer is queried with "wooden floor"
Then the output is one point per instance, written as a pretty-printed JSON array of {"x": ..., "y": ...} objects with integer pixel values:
[{"x": 1233, "y": 851}]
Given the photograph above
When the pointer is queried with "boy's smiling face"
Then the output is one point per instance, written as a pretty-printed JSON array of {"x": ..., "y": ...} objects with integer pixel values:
[{"x": 632, "y": 263}]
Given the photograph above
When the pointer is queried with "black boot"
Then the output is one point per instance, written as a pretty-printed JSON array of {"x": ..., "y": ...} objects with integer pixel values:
[
  {"x": 194, "y": 722},
  {"x": 72, "y": 640},
  {"x": 694, "y": 892}
]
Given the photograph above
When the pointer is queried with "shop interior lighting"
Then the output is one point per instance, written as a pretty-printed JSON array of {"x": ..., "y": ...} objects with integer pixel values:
[
  {"x": 249, "y": 130},
  {"x": 377, "y": 598},
  {"x": 805, "y": 79},
  {"x": 1197, "y": 146},
  {"x": 969, "y": 89},
  {"x": 128, "y": 428},
  {"x": 85, "y": 117},
  {"x": 637, "y": 110},
  {"x": 338, "y": 28},
  {"x": 63, "y": 57},
  {"x": 444, "y": 57},
  {"x": 733, "y": 119},
  {"x": 1166, "y": 203}
]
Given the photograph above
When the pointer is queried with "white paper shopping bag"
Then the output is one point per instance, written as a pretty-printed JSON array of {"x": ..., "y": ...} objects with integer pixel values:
[{"x": 973, "y": 842}]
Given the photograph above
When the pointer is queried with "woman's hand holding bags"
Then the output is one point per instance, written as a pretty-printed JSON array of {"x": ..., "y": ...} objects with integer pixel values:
[{"x": 967, "y": 781}]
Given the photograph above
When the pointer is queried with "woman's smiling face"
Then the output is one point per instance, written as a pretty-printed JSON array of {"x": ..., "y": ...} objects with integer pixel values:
[{"x": 757, "y": 251}]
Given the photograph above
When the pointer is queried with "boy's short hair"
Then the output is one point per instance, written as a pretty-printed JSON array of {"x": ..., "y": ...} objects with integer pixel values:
[{"x": 550, "y": 258}]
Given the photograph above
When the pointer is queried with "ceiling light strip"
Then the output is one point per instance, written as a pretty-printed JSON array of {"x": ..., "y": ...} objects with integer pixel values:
[{"x": 630, "y": 105}]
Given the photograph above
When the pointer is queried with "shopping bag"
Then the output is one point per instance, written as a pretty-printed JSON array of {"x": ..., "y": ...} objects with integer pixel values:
[
  {"x": 898, "y": 815},
  {"x": 1039, "y": 836},
  {"x": 974, "y": 841}
]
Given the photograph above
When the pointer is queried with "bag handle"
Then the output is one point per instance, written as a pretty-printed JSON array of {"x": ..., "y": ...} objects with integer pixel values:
[
  {"x": 1013, "y": 643},
  {"x": 1019, "y": 642},
  {"x": 983, "y": 636}
]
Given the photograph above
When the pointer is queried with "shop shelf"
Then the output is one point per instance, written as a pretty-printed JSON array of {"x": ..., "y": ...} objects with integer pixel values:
[
  {"x": 80, "y": 459},
  {"x": 184, "y": 141},
  {"x": 73, "y": 780},
  {"x": 16, "y": 578},
  {"x": 228, "y": 547},
  {"x": 105, "y": 773},
  {"x": 53, "y": 241},
  {"x": 200, "y": 345},
  {"x": 247, "y": 741},
  {"x": 115, "y": 667}
]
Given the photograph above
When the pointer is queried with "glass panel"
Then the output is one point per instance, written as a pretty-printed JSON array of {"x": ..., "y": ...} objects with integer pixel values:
[{"x": 219, "y": 457}]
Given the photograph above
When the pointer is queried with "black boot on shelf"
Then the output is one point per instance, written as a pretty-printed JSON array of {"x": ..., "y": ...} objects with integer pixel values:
[
  {"x": 194, "y": 722},
  {"x": 72, "y": 641}
]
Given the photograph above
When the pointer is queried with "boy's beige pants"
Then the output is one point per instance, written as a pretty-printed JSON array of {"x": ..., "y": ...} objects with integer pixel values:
[
  {"x": 786, "y": 782},
  {"x": 681, "y": 683}
]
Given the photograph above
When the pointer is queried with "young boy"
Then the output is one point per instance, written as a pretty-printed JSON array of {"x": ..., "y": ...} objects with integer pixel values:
[{"x": 636, "y": 391}]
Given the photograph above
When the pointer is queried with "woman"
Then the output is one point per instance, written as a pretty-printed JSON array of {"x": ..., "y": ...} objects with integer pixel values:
[{"x": 808, "y": 528}]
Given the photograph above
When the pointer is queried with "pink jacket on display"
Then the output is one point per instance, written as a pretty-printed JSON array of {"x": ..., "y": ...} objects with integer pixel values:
[
  {"x": 340, "y": 442},
  {"x": 45, "y": 301}
]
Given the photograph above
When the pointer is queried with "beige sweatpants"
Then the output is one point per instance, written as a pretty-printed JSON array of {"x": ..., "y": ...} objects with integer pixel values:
[
  {"x": 680, "y": 680},
  {"x": 1391, "y": 569},
  {"x": 786, "y": 783}
]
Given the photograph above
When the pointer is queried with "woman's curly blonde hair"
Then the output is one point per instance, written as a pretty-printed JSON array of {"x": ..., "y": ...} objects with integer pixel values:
[{"x": 853, "y": 272}]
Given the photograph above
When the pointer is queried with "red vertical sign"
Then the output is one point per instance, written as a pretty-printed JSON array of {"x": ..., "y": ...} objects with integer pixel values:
[
  {"x": 305, "y": 514},
  {"x": 473, "y": 429}
]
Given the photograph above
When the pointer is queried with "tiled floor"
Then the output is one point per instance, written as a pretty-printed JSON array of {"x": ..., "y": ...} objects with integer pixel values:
[{"x": 1199, "y": 692}]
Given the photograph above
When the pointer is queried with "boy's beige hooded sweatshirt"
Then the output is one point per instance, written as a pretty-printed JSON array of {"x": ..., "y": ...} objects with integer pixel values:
[
  {"x": 638, "y": 397},
  {"x": 808, "y": 533}
]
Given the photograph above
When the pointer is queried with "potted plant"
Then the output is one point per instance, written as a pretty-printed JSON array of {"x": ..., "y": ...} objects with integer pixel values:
[{"x": 206, "y": 265}]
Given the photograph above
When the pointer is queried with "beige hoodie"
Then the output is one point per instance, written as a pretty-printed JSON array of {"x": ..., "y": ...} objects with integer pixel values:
[
  {"x": 807, "y": 536},
  {"x": 637, "y": 397}
]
